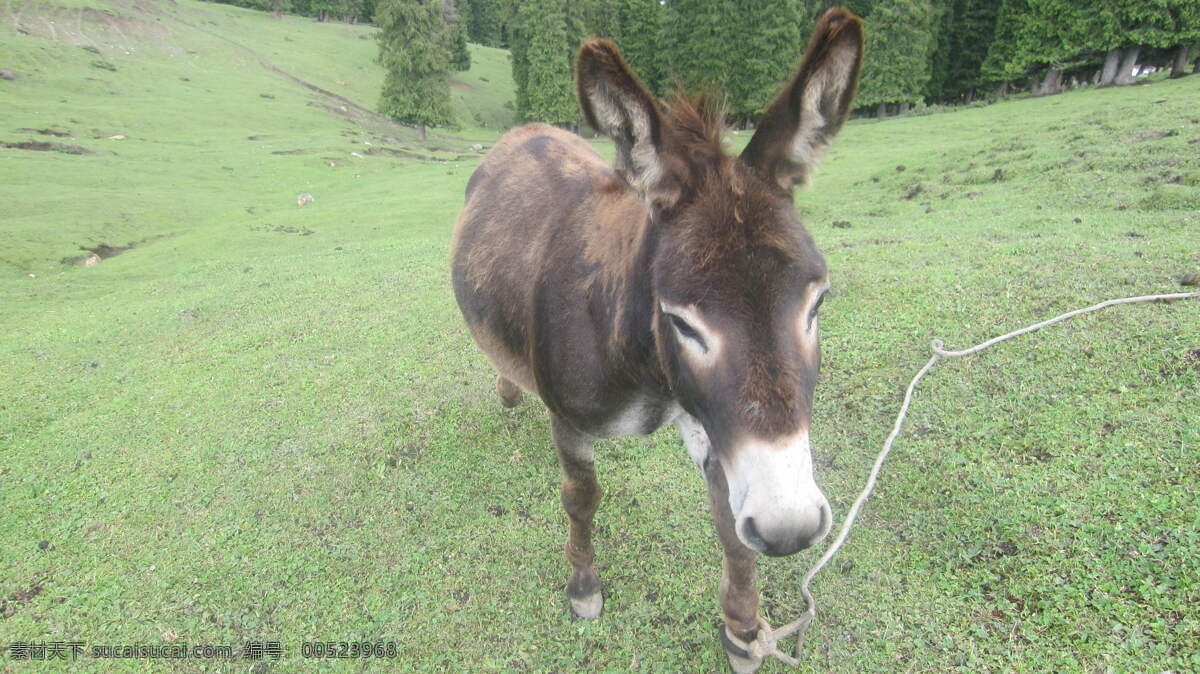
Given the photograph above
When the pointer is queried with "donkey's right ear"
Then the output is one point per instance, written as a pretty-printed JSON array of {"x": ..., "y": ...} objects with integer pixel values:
[{"x": 617, "y": 104}]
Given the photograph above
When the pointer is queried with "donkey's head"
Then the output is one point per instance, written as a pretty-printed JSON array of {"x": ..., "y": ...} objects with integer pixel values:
[{"x": 736, "y": 279}]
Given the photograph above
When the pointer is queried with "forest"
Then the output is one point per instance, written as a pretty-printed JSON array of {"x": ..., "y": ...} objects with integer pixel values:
[{"x": 919, "y": 52}]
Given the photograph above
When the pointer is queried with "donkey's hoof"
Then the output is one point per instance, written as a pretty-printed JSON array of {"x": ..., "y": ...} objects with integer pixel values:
[
  {"x": 740, "y": 661},
  {"x": 588, "y": 607},
  {"x": 742, "y": 665}
]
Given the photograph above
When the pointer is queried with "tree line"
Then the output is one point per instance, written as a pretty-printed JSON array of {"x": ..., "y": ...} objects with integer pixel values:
[
  {"x": 929, "y": 51},
  {"x": 918, "y": 51}
]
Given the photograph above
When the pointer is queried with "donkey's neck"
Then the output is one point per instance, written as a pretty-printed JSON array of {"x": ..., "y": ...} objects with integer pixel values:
[{"x": 622, "y": 296}]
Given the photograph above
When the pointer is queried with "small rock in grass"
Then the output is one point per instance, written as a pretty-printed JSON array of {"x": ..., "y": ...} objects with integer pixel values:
[
  {"x": 841, "y": 224},
  {"x": 1077, "y": 220},
  {"x": 304, "y": 199},
  {"x": 1190, "y": 280},
  {"x": 6, "y": 74}
]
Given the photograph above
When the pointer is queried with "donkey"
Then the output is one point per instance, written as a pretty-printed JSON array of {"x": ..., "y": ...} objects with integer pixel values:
[{"x": 676, "y": 286}]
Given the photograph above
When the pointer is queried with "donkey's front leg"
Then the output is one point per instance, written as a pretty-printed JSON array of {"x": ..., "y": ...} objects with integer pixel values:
[
  {"x": 580, "y": 497},
  {"x": 739, "y": 582}
]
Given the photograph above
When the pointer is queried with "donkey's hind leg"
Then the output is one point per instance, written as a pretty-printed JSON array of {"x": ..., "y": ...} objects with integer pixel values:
[
  {"x": 580, "y": 497},
  {"x": 510, "y": 393}
]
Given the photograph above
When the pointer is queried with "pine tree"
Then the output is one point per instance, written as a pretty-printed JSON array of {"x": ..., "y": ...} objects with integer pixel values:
[
  {"x": 591, "y": 18},
  {"x": 460, "y": 56},
  {"x": 697, "y": 39},
  {"x": 1186, "y": 17},
  {"x": 485, "y": 21},
  {"x": 896, "y": 65},
  {"x": 542, "y": 63},
  {"x": 964, "y": 33},
  {"x": 767, "y": 49},
  {"x": 413, "y": 52},
  {"x": 1006, "y": 62},
  {"x": 638, "y": 34}
]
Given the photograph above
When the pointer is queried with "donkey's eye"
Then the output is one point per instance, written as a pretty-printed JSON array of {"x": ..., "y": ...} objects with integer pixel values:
[
  {"x": 812, "y": 313},
  {"x": 686, "y": 331}
]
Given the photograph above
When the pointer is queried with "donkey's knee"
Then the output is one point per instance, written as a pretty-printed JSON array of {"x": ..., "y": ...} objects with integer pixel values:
[
  {"x": 581, "y": 497},
  {"x": 510, "y": 393}
]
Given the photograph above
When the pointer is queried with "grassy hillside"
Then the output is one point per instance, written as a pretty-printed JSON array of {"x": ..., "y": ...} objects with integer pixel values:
[
  {"x": 267, "y": 422},
  {"x": 220, "y": 115}
]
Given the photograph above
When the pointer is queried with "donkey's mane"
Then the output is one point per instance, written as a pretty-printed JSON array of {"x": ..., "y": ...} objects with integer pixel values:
[{"x": 698, "y": 119}]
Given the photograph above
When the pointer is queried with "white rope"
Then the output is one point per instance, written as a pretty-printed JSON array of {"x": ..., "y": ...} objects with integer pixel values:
[{"x": 765, "y": 644}]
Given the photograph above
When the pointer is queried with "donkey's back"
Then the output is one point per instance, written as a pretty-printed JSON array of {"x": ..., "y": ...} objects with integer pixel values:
[{"x": 542, "y": 210}]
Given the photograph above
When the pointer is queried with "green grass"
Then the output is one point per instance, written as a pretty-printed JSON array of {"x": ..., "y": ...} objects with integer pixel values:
[{"x": 238, "y": 431}]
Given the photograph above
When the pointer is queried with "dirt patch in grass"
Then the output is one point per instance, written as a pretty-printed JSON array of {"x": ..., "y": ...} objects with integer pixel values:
[
  {"x": 97, "y": 254},
  {"x": 45, "y": 146},
  {"x": 10, "y": 604},
  {"x": 869, "y": 242},
  {"x": 1150, "y": 134},
  {"x": 280, "y": 229},
  {"x": 913, "y": 192},
  {"x": 397, "y": 152},
  {"x": 45, "y": 132}
]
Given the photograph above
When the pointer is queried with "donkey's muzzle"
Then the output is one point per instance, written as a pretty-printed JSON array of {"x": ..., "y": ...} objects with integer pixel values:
[
  {"x": 781, "y": 536},
  {"x": 776, "y": 505}
]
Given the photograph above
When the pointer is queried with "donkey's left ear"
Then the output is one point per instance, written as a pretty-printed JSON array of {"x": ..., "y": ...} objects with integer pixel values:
[{"x": 799, "y": 124}]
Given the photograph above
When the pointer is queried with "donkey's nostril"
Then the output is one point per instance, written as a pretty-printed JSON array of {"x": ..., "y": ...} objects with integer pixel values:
[
  {"x": 787, "y": 536},
  {"x": 752, "y": 537}
]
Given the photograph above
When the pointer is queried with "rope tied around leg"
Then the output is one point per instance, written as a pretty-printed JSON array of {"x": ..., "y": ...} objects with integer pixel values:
[{"x": 766, "y": 642}]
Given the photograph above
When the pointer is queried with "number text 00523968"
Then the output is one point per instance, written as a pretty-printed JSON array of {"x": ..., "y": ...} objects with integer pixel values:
[{"x": 349, "y": 649}]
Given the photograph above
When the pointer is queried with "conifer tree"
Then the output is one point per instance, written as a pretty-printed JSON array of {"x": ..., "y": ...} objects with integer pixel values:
[
  {"x": 485, "y": 21},
  {"x": 542, "y": 63},
  {"x": 591, "y": 18},
  {"x": 413, "y": 52},
  {"x": 766, "y": 51},
  {"x": 1005, "y": 61},
  {"x": 460, "y": 56},
  {"x": 964, "y": 32},
  {"x": 896, "y": 65},
  {"x": 638, "y": 34},
  {"x": 698, "y": 37}
]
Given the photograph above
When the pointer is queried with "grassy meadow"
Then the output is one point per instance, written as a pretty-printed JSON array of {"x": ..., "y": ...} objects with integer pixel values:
[{"x": 266, "y": 422}]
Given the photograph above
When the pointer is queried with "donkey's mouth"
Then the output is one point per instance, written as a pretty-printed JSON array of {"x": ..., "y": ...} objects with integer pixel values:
[{"x": 788, "y": 539}]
